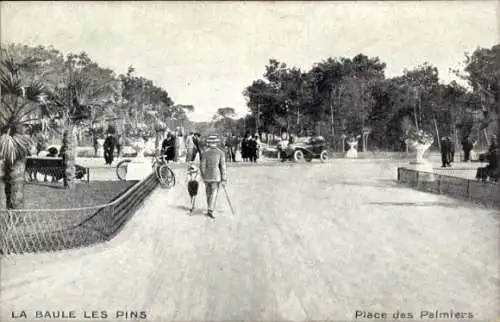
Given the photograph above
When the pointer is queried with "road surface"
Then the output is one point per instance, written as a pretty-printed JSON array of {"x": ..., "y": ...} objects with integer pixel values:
[{"x": 308, "y": 242}]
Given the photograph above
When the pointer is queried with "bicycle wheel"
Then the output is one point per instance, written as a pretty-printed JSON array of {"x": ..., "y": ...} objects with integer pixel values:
[
  {"x": 166, "y": 176},
  {"x": 121, "y": 170}
]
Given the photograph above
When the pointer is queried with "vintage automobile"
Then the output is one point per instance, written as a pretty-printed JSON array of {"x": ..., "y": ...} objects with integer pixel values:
[{"x": 308, "y": 149}]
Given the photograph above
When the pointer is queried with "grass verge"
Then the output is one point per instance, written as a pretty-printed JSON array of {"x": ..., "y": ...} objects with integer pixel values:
[{"x": 84, "y": 195}]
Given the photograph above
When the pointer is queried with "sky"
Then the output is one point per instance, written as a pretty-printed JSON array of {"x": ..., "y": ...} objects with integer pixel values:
[{"x": 206, "y": 53}]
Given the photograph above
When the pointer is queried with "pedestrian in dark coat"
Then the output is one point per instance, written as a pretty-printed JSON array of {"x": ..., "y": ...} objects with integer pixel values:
[
  {"x": 467, "y": 147},
  {"x": 232, "y": 146},
  {"x": 109, "y": 148},
  {"x": 252, "y": 149},
  {"x": 168, "y": 147},
  {"x": 492, "y": 157},
  {"x": 444, "y": 152},
  {"x": 245, "y": 150}
]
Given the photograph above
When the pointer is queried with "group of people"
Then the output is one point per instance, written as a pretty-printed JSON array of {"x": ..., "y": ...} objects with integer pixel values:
[
  {"x": 112, "y": 143},
  {"x": 193, "y": 147},
  {"x": 171, "y": 150},
  {"x": 250, "y": 147}
]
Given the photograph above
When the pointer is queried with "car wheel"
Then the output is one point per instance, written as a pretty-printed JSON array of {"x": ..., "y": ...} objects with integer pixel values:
[
  {"x": 298, "y": 156},
  {"x": 323, "y": 156}
]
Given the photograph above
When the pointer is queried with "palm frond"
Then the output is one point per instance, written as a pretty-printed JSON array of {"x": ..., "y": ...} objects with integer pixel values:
[
  {"x": 14, "y": 147},
  {"x": 7, "y": 109},
  {"x": 10, "y": 83},
  {"x": 4, "y": 116},
  {"x": 34, "y": 91}
]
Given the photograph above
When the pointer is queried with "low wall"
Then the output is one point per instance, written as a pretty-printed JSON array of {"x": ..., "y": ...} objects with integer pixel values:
[
  {"x": 487, "y": 193},
  {"x": 42, "y": 230}
]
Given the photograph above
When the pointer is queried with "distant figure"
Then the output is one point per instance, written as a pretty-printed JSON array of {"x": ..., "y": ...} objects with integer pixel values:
[
  {"x": 234, "y": 147},
  {"x": 168, "y": 147},
  {"x": 245, "y": 151},
  {"x": 52, "y": 152},
  {"x": 177, "y": 146},
  {"x": 256, "y": 137},
  {"x": 95, "y": 143},
  {"x": 119, "y": 145},
  {"x": 467, "y": 147},
  {"x": 231, "y": 146},
  {"x": 227, "y": 147},
  {"x": 493, "y": 169},
  {"x": 190, "y": 147},
  {"x": 109, "y": 148},
  {"x": 197, "y": 145},
  {"x": 445, "y": 152},
  {"x": 253, "y": 149},
  {"x": 213, "y": 172},
  {"x": 193, "y": 183},
  {"x": 451, "y": 151}
]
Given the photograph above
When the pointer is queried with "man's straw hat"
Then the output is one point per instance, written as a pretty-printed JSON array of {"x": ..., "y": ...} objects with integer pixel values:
[{"x": 212, "y": 140}]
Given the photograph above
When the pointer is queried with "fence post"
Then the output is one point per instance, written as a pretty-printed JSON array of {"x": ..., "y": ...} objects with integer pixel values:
[
  {"x": 418, "y": 178},
  {"x": 399, "y": 174},
  {"x": 468, "y": 189},
  {"x": 88, "y": 175},
  {"x": 439, "y": 183}
]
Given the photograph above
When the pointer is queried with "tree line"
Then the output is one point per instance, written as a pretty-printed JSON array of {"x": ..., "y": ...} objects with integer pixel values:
[{"x": 342, "y": 97}]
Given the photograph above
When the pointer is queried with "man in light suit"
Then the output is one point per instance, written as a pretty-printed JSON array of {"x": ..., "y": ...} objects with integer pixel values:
[{"x": 213, "y": 172}]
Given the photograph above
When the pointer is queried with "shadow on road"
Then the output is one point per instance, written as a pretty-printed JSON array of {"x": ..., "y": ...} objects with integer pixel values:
[
  {"x": 196, "y": 212},
  {"x": 373, "y": 184},
  {"x": 419, "y": 204}
]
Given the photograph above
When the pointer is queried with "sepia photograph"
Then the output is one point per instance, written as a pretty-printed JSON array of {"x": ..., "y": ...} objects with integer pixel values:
[{"x": 220, "y": 161}]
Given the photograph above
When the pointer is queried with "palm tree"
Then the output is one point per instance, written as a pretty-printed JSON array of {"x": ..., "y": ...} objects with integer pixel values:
[
  {"x": 75, "y": 95},
  {"x": 19, "y": 102}
]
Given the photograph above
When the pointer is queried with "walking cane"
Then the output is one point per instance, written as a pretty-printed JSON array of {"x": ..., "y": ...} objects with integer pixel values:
[{"x": 227, "y": 198}]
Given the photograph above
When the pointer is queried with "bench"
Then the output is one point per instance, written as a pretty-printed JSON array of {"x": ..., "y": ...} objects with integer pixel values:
[{"x": 49, "y": 167}]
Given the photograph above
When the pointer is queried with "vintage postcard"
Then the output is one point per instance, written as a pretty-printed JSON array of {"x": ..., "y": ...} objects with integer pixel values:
[{"x": 250, "y": 161}]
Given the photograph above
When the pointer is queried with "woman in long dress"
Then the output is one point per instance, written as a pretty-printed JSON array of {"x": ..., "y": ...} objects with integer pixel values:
[
  {"x": 109, "y": 147},
  {"x": 168, "y": 147}
]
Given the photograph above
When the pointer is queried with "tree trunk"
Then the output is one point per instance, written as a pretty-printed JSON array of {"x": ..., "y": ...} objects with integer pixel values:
[
  {"x": 437, "y": 133},
  {"x": 14, "y": 184},
  {"x": 157, "y": 141},
  {"x": 331, "y": 115},
  {"x": 69, "y": 155}
]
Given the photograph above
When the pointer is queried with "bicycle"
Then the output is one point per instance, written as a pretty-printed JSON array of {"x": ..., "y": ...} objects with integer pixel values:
[
  {"x": 121, "y": 169},
  {"x": 163, "y": 172}
]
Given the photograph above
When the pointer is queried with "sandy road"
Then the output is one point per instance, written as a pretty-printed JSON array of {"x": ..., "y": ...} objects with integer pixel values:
[{"x": 314, "y": 244}]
